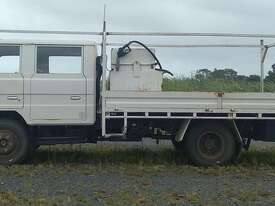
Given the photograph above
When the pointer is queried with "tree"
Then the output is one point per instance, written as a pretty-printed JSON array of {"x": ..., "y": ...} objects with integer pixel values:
[
  {"x": 202, "y": 74},
  {"x": 241, "y": 77},
  {"x": 271, "y": 75},
  {"x": 228, "y": 74},
  {"x": 253, "y": 78}
]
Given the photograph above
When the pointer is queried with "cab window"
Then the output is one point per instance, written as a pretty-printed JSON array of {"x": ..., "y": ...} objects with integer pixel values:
[
  {"x": 9, "y": 59},
  {"x": 59, "y": 60}
]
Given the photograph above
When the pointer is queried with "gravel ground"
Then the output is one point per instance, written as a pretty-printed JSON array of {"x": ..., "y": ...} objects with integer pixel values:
[{"x": 85, "y": 184}]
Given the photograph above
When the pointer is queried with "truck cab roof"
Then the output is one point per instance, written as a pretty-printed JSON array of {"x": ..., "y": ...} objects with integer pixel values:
[{"x": 48, "y": 42}]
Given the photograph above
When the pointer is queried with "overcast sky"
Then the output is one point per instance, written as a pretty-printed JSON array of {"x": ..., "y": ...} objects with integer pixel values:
[{"x": 237, "y": 16}]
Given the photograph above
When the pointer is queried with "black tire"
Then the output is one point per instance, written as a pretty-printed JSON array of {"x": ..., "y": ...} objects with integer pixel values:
[
  {"x": 210, "y": 143},
  {"x": 14, "y": 142}
]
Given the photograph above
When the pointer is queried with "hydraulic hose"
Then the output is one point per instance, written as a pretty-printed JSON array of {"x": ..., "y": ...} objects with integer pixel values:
[{"x": 123, "y": 51}]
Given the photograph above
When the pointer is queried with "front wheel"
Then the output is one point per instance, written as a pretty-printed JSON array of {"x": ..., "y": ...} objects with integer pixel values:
[
  {"x": 14, "y": 142},
  {"x": 210, "y": 143}
]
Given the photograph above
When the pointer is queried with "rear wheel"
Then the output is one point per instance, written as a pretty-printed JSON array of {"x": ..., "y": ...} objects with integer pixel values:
[
  {"x": 210, "y": 144},
  {"x": 14, "y": 142}
]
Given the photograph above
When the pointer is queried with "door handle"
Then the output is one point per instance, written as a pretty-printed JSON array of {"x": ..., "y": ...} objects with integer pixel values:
[
  {"x": 13, "y": 98},
  {"x": 75, "y": 98}
]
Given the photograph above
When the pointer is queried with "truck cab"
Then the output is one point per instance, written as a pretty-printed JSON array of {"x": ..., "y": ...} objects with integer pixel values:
[
  {"x": 48, "y": 88},
  {"x": 49, "y": 83}
]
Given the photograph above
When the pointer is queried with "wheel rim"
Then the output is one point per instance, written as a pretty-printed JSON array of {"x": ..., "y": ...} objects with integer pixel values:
[
  {"x": 7, "y": 142},
  {"x": 211, "y": 145}
]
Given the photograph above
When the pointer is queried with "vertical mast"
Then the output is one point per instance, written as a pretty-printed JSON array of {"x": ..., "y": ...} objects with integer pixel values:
[{"x": 104, "y": 67}]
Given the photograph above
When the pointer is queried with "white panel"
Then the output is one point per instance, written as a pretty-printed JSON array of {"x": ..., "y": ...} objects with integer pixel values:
[
  {"x": 11, "y": 84},
  {"x": 160, "y": 101},
  {"x": 27, "y": 70},
  {"x": 58, "y": 107},
  {"x": 58, "y": 98},
  {"x": 11, "y": 91},
  {"x": 58, "y": 84},
  {"x": 249, "y": 102},
  {"x": 90, "y": 54},
  {"x": 190, "y": 102},
  {"x": 134, "y": 72},
  {"x": 135, "y": 80}
]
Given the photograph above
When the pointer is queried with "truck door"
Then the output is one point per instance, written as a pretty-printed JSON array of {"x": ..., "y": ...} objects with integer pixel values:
[
  {"x": 11, "y": 79},
  {"x": 58, "y": 87}
]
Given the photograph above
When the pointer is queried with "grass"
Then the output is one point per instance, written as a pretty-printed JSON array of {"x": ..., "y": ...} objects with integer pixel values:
[
  {"x": 115, "y": 155},
  {"x": 108, "y": 155},
  {"x": 125, "y": 197},
  {"x": 247, "y": 195},
  {"x": 12, "y": 199},
  {"x": 137, "y": 163},
  {"x": 215, "y": 85},
  {"x": 187, "y": 198}
]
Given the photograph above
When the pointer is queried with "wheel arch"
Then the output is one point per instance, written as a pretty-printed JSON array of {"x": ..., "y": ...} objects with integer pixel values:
[
  {"x": 13, "y": 115},
  {"x": 230, "y": 124}
]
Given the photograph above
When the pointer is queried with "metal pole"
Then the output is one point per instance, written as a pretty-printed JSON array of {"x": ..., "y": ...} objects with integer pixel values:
[
  {"x": 262, "y": 64},
  {"x": 194, "y": 45},
  {"x": 104, "y": 67},
  {"x": 50, "y": 32},
  {"x": 156, "y": 34},
  {"x": 191, "y": 34}
]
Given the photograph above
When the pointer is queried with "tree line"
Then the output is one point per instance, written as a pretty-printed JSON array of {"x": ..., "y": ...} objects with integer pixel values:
[{"x": 231, "y": 74}]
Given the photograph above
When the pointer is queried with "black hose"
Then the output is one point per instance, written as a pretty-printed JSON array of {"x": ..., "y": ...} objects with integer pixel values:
[{"x": 123, "y": 51}]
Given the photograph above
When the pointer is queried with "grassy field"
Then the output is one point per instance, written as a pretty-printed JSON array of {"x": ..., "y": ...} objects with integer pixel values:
[
  {"x": 137, "y": 166},
  {"x": 190, "y": 85},
  {"x": 117, "y": 155}
]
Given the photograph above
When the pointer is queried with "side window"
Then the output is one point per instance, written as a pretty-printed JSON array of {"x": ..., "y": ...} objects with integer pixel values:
[
  {"x": 59, "y": 60},
  {"x": 9, "y": 59}
]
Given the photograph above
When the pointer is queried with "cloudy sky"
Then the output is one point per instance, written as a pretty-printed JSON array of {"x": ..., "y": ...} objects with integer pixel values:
[{"x": 237, "y": 16}]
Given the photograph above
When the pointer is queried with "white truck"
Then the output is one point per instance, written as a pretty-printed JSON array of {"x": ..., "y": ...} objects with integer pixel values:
[{"x": 59, "y": 92}]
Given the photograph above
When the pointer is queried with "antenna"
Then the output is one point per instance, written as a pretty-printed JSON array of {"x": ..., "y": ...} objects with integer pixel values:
[
  {"x": 103, "y": 48},
  {"x": 104, "y": 18}
]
